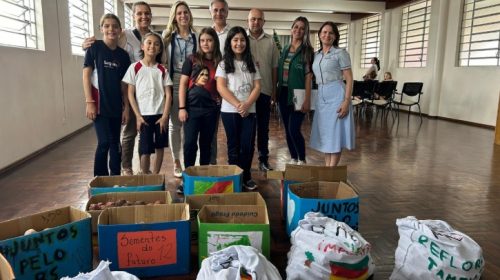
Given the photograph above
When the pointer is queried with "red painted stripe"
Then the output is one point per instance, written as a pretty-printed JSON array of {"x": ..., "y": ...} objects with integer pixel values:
[
  {"x": 137, "y": 67},
  {"x": 163, "y": 71}
]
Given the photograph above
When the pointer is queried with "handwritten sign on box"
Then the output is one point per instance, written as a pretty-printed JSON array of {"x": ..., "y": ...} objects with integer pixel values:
[{"x": 146, "y": 248}]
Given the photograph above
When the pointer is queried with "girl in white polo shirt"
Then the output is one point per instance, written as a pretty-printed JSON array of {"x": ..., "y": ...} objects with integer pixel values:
[{"x": 150, "y": 98}]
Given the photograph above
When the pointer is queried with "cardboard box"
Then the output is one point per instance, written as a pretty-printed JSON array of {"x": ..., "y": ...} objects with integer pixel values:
[
  {"x": 135, "y": 183},
  {"x": 305, "y": 173},
  {"x": 6, "y": 272},
  {"x": 226, "y": 225},
  {"x": 196, "y": 202},
  {"x": 337, "y": 200},
  {"x": 210, "y": 179},
  {"x": 147, "y": 241},
  {"x": 61, "y": 247},
  {"x": 148, "y": 197}
]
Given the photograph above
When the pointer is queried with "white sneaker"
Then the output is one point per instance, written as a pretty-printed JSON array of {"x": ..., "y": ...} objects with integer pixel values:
[
  {"x": 292, "y": 161},
  {"x": 301, "y": 162}
]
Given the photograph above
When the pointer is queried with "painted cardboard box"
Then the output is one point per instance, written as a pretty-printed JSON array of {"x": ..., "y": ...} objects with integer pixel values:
[
  {"x": 147, "y": 197},
  {"x": 305, "y": 173},
  {"x": 6, "y": 272},
  {"x": 60, "y": 247},
  {"x": 134, "y": 183},
  {"x": 148, "y": 240},
  {"x": 196, "y": 202},
  {"x": 221, "y": 226},
  {"x": 210, "y": 179},
  {"x": 337, "y": 200}
]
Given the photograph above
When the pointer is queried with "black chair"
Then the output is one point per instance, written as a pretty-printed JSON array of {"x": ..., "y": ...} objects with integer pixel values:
[
  {"x": 358, "y": 89},
  {"x": 409, "y": 97},
  {"x": 384, "y": 92}
]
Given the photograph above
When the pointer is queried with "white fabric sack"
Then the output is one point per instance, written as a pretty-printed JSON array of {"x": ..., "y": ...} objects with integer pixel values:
[
  {"x": 227, "y": 263},
  {"x": 102, "y": 272},
  {"x": 323, "y": 248},
  {"x": 432, "y": 249}
]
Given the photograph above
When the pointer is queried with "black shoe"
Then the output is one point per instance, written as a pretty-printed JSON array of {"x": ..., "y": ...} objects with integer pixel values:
[
  {"x": 264, "y": 166},
  {"x": 250, "y": 185},
  {"x": 180, "y": 189}
]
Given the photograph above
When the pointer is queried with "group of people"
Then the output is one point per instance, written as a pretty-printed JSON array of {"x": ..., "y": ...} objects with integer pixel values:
[{"x": 182, "y": 82}]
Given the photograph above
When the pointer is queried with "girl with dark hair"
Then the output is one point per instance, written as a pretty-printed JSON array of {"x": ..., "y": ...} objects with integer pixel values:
[
  {"x": 294, "y": 72},
  {"x": 371, "y": 73},
  {"x": 333, "y": 123},
  {"x": 238, "y": 82},
  {"x": 199, "y": 100}
]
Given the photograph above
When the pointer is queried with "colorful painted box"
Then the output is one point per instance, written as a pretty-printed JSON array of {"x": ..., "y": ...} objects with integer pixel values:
[
  {"x": 210, "y": 179},
  {"x": 337, "y": 200},
  {"x": 135, "y": 183},
  {"x": 305, "y": 173},
  {"x": 196, "y": 202},
  {"x": 147, "y": 241},
  {"x": 61, "y": 246},
  {"x": 221, "y": 226},
  {"x": 162, "y": 197}
]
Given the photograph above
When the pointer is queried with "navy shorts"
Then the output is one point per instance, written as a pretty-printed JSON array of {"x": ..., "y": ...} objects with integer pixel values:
[{"x": 151, "y": 137}]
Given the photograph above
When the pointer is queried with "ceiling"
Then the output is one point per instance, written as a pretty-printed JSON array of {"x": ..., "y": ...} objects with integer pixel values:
[{"x": 279, "y": 14}]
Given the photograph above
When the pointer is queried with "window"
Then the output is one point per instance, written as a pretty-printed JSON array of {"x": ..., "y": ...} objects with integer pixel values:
[
  {"x": 370, "y": 40},
  {"x": 109, "y": 6},
  {"x": 415, "y": 34},
  {"x": 18, "y": 23},
  {"x": 128, "y": 16},
  {"x": 344, "y": 35},
  {"x": 79, "y": 24},
  {"x": 480, "y": 38}
]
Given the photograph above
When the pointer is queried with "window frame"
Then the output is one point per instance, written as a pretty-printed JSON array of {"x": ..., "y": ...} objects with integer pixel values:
[
  {"x": 107, "y": 4},
  {"x": 128, "y": 16},
  {"x": 367, "y": 33},
  {"x": 31, "y": 34},
  {"x": 76, "y": 40},
  {"x": 414, "y": 35},
  {"x": 469, "y": 45}
]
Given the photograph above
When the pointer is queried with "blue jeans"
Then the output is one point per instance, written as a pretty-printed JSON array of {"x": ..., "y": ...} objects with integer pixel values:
[
  {"x": 263, "y": 108},
  {"x": 201, "y": 123},
  {"x": 292, "y": 121},
  {"x": 240, "y": 133},
  {"x": 108, "y": 141}
]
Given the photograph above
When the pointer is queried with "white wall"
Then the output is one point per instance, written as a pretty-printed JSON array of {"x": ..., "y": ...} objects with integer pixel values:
[
  {"x": 462, "y": 93},
  {"x": 42, "y": 97}
]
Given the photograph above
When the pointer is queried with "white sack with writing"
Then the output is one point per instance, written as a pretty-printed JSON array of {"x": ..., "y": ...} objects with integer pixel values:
[
  {"x": 432, "y": 249},
  {"x": 102, "y": 272}
]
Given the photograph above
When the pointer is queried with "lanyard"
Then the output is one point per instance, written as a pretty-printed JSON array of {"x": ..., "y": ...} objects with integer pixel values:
[{"x": 183, "y": 52}]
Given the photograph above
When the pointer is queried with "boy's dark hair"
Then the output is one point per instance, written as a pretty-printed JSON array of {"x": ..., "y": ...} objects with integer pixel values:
[
  {"x": 229, "y": 56},
  {"x": 159, "y": 55}
]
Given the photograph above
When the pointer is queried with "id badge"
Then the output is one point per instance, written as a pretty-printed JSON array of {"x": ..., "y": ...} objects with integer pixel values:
[{"x": 179, "y": 64}]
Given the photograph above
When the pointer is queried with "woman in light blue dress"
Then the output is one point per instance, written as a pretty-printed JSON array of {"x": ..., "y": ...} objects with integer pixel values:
[{"x": 333, "y": 123}]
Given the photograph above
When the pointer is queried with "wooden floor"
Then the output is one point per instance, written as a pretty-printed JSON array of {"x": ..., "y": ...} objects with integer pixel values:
[{"x": 434, "y": 170}]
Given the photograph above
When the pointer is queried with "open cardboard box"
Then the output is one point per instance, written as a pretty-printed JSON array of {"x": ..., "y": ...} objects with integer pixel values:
[
  {"x": 196, "y": 202},
  {"x": 305, "y": 173},
  {"x": 148, "y": 197},
  {"x": 337, "y": 200},
  {"x": 134, "y": 183},
  {"x": 211, "y": 179},
  {"x": 221, "y": 226},
  {"x": 61, "y": 246},
  {"x": 147, "y": 241}
]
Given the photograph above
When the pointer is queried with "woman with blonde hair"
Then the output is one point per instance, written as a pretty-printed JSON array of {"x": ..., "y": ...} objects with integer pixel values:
[{"x": 179, "y": 39}]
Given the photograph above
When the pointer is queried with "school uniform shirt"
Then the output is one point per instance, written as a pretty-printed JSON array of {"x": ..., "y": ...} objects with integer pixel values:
[
  {"x": 222, "y": 37},
  {"x": 240, "y": 83},
  {"x": 108, "y": 66},
  {"x": 149, "y": 82}
]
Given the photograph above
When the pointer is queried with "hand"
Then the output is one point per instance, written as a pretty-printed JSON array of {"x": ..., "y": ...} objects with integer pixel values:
[
  {"x": 183, "y": 115},
  {"x": 91, "y": 111},
  {"x": 125, "y": 115},
  {"x": 306, "y": 106},
  {"x": 273, "y": 98},
  {"x": 243, "y": 109},
  {"x": 140, "y": 122},
  {"x": 344, "y": 108},
  {"x": 88, "y": 42},
  {"x": 163, "y": 122}
]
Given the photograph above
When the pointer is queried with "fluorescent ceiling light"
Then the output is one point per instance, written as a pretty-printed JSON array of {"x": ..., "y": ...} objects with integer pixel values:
[{"x": 318, "y": 11}]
